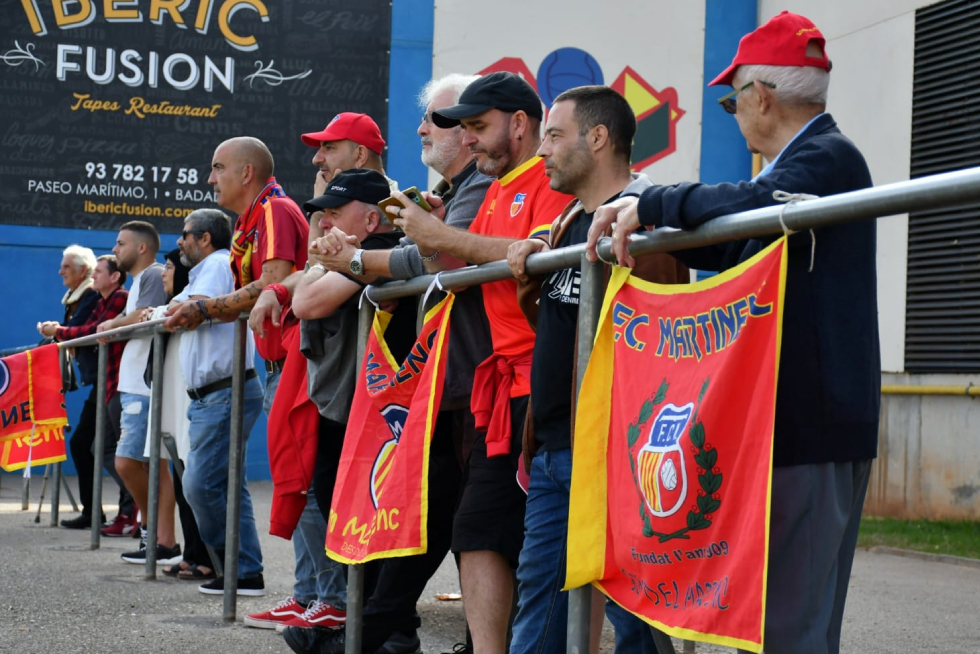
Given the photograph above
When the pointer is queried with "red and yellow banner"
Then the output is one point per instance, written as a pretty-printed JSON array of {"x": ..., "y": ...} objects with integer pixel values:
[
  {"x": 31, "y": 393},
  {"x": 671, "y": 475},
  {"x": 41, "y": 448},
  {"x": 380, "y": 501}
]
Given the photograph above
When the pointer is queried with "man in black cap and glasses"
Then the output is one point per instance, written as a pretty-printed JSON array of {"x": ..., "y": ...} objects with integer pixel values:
[{"x": 501, "y": 118}]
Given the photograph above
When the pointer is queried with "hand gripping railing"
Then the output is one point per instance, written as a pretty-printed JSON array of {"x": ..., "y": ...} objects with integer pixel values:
[{"x": 927, "y": 193}]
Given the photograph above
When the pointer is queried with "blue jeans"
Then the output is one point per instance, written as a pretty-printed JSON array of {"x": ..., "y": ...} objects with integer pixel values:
[
  {"x": 317, "y": 577},
  {"x": 541, "y": 624},
  {"x": 206, "y": 472},
  {"x": 132, "y": 426}
]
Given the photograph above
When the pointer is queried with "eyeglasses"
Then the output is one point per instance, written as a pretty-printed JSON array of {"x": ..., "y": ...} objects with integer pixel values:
[
  {"x": 427, "y": 118},
  {"x": 195, "y": 232},
  {"x": 729, "y": 101}
]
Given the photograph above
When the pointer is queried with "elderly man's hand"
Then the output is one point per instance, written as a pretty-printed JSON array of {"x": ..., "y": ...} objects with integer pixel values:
[
  {"x": 518, "y": 253},
  {"x": 622, "y": 216},
  {"x": 186, "y": 315},
  {"x": 335, "y": 249},
  {"x": 48, "y": 327},
  {"x": 266, "y": 308},
  {"x": 417, "y": 223}
]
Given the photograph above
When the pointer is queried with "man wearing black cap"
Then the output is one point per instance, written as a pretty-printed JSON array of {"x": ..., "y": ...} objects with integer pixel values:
[
  {"x": 501, "y": 118},
  {"x": 826, "y": 431},
  {"x": 326, "y": 302}
]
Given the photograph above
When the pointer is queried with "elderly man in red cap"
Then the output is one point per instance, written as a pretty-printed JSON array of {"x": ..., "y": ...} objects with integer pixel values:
[{"x": 826, "y": 432}]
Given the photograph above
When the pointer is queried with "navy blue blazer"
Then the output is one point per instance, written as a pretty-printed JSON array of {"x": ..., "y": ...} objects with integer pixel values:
[{"x": 829, "y": 387}]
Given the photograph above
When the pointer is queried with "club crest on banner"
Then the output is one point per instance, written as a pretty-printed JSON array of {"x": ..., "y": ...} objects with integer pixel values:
[
  {"x": 661, "y": 469},
  {"x": 663, "y": 475},
  {"x": 395, "y": 417},
  {"x": 4, "y": 377}
]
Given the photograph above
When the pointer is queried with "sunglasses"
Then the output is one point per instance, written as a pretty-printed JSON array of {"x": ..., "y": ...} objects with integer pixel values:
[
  {"x": 729, "y": 101},
  {"x": 195, "y": 232}
]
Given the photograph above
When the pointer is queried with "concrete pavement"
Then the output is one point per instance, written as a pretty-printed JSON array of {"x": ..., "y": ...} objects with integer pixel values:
[{"x": 58, "y": 596}]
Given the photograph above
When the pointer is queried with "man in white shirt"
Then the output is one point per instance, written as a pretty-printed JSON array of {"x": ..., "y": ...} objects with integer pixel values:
[
  {"x": 136, "y": 250},
  {"x": 206, "y": 360}
]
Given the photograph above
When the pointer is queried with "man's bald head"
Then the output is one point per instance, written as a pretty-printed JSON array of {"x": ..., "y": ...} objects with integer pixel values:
[
  {"x": 240, "y": 169},
  {"x": 250, "y": 150}
]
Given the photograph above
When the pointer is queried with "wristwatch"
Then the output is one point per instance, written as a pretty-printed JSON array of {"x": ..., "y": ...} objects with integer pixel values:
[
  {"x": 317, "y": 266},
  {"x": 356, "y": 267}
]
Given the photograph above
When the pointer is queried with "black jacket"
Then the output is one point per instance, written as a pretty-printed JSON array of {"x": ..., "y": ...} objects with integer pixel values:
[{"x": 829, "y": 386}]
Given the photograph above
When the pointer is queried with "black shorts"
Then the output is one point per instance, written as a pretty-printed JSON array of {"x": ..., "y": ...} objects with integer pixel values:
[{"x": 490, "y": 514}]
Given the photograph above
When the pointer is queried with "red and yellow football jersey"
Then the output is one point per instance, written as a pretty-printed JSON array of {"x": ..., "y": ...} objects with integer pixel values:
[{"x": 519, "y": 205}]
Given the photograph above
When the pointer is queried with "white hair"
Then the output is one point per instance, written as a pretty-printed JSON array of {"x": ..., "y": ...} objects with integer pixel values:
[
  {"x": 81, "y": 257},
  {"x": 794, "y": 84},
  {"x": 452, "y": 82}
]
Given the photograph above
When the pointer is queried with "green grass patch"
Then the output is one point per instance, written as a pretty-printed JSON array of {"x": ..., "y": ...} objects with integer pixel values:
[{"x": 936, "y": 537}]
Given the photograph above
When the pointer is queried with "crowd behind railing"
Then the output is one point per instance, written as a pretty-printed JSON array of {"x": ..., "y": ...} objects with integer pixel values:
[{"x": 300, "y": 277}]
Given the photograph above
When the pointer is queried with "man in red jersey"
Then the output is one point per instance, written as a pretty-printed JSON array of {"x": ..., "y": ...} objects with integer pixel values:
[
  {"x": 269, "y": 243},
  {"x": 501, "y": 118}
]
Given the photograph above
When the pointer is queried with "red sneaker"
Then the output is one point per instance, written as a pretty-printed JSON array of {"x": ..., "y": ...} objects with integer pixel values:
[
  {"x": 319, "y": 615},
  {"x": 286, "y": 610},
  {"x": 122, "y": 525}
]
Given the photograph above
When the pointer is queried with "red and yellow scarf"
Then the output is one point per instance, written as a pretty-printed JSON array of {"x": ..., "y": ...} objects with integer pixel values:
[{"x": 246, "y": 232}]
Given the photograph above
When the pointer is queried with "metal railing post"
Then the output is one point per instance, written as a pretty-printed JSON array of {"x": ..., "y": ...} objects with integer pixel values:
[
  {"x": 98, "y": 457},
  {"x": 590, "y": 303},
  {"x": 234, "y": 506},
  {"x": 56, "y": 492},
  {"x": 153, "y": 491},
  {"x": 355, "y": 573}
]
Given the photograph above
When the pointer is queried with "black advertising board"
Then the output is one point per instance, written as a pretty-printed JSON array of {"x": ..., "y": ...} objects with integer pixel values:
[{"x": 110, "y": 110}]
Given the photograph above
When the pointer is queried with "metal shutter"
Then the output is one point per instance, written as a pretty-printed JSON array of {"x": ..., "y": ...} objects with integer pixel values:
[{"x": 942, "y": 315}]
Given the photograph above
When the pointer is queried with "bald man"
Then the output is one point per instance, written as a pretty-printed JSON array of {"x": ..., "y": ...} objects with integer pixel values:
[{"x": 269, "y": 243}]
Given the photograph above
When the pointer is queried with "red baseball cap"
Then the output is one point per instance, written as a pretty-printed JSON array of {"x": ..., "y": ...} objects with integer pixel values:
[
  {"x": 780, "y": 42},
  {"x": 359, "y": 128}
]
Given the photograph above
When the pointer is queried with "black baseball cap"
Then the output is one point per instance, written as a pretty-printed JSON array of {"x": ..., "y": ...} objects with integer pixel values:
[
  {"x": 500, "y": 90},
  {"x": 356, "y": 184}
]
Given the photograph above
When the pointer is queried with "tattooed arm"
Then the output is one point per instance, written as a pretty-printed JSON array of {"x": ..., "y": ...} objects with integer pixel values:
[{"x": 192, "y": 313}]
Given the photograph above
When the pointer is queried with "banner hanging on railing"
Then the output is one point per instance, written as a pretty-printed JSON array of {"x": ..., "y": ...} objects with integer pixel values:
[
  {"x": 31, "y": 392},
  {"x": 37, "y": 449},
  {"x": 669, "y": 510},
  {"x": 380, "y": 500},
  {"x": 32, "y": 409}
]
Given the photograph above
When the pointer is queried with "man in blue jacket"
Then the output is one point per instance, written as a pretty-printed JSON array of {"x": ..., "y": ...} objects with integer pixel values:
[{"x": 829, "y": 385}]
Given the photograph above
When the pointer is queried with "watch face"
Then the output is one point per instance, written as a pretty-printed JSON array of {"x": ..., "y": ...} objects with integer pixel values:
[{"x": 356, "y": 267}]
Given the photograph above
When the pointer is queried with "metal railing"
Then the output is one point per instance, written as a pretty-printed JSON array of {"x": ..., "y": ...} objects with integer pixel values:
[{"x": 927, "y": 193}]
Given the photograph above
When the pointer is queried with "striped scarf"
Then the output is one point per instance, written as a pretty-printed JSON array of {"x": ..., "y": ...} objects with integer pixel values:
[{"x": 246, "y": 232}]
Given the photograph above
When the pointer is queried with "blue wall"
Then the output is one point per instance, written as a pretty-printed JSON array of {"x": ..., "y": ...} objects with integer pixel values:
[
  {"x": 31, "y": 289},
  {"x": 724, "y": 157}
]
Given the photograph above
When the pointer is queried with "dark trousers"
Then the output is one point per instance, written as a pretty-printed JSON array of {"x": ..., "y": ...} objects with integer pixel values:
[
  {"x": 329, "y": 448},
  {"x": 401, "y": 580},
  {"x": 195, "y": 553},
  {"x": 81, "y": 445}
]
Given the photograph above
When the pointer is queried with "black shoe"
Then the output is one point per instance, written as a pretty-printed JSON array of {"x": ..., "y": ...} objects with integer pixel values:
[
  {"x": 250, "y": 587},
  {"x": 314, "y": 641},
  {"x": 400, "y": 642},
  {"x": 80, "y": 522},
  {"x": 165, "y": 555}
]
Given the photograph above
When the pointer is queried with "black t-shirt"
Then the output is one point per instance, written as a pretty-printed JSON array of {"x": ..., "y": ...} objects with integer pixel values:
[
  {"x": 552, "y": 384},
  {"x": 401, "y": 332}
]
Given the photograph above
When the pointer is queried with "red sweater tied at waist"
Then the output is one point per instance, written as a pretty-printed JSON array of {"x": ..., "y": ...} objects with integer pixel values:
[{"x": 490, "y": 403}]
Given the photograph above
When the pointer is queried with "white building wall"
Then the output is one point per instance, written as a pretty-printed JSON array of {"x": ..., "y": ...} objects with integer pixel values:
[{"x": 662, "y": 41}]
